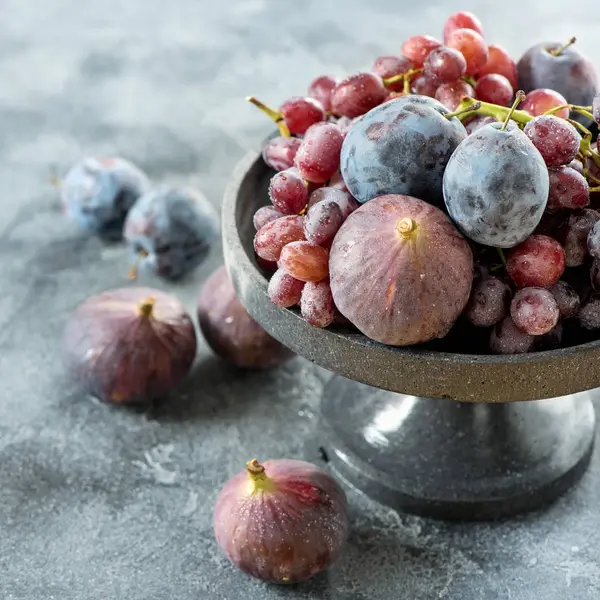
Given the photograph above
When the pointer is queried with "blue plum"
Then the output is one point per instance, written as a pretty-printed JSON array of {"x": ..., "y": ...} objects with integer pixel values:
[
  {"x": 400, "y": 147},
  {"x": 97, "y": 194},
  {"x": 569, "y": 73},
  {"x": 496, "y": 186},
  {"x": 171, "y": 231}
]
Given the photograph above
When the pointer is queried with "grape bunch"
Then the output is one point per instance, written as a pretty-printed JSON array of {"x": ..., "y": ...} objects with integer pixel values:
[{"x": 449, "y": 194}]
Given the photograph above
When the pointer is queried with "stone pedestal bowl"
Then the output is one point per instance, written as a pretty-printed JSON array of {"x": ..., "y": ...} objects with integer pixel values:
[{"x": 446, "y": 435}]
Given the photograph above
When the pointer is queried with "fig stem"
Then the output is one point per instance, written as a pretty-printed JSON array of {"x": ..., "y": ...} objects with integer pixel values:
[
  {"x": 401, "y": 77},
  {"x": 520, "y": 97},
  {"x": 561, "y": 49},
  {"x": 146, "y": 307},
  {"x": 273, "y": 114},
  {"x": 257, "y": 475},
  {"x": 406, "y": 227}
]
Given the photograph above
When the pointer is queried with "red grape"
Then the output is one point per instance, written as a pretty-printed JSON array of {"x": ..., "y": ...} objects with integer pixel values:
[
  {"x": 534, "y": 310},
  {"x": 417, "y": 48},
  {"x": 537, "y": 102},
  {"x": 577, "y": 165},
  {"x": 337, "y": 181},
  {"x": 507, "y": 338},
  {"x": 318, "y": 157},
  {"x": 596, "y": 108},
  {"x": 444, "y": 65},
  {"x": 322, "y": 222},
  {"x": 593, "y": 241},
  {"x": 279, "y": 153},
  {"x": 284, "y": 290},
  {"x": 556, "y": 139},
  {"x": 500, "y": 62},
  {"x": 343, "y": 199},
  {"x": 489, "y": 302},
  {"x": 288, "y": 192},
  {"x": 462, "y": 20},
  {"x": 300, "y": 113},
  {"x": 450, "y": 94},
  {"x": 388, "y": 66},
  {"x": 316, "y": 304},
  {"x": 321, "y": 89},
  {"x": 272, "y": 237},
  {"x": 566, "y": 298},
  {"x": 569, "y": 190},
  {"x": 574, "y": 235},
  {"x": 589, "y": 314},
  {"x": 305, "y": 261},
  {"x": 472, "y": 46},
  {"x": 539, "y": 261},
  {"x": 358, "y": 94},
  {"x": 494, "y": 88},
  {"x": 264, "y": 215},
  {"x": 423, "y": 87},
  {"x": 595, "y": 274},
  {"x": 474, "y": 124}
]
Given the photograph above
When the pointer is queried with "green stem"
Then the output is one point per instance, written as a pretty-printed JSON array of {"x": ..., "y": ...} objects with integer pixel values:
[
  {"x": 146, "y": 307},
  {"x": 582, "y": 110},
  {"x": 519, "y": 98},
  {"x": 469, "y": 80},
  {"x": 273, "y": 114},
  {"x": 257, "y": 475},
  {"x": 401, "y": 77},
  {"x": 561, "y": 49},
  {"x": 467, "y": 109},
  {"x": 502, "y": 257},
  {"x": 499, "y": 113}
]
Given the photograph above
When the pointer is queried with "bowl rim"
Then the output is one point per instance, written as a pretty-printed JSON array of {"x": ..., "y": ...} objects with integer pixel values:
[{"x": 232, "y": 238}]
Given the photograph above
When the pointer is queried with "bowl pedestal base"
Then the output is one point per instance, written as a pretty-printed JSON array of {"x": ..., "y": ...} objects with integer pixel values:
[{"x": 452, "y": 460}]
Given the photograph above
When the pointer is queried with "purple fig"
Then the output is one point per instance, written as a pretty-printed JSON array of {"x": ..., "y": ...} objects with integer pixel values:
[
  {"x": 129, "y": 345},
  {"x": 283, "y": 521}
]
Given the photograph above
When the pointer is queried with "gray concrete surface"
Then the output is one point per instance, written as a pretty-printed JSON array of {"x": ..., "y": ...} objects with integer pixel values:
[{"x": 100, "y": 503}]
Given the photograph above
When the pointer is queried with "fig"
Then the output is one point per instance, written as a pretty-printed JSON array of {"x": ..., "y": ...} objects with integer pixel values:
[
  {"x": 400, "y": 271},
  {"x": 129, "y": 345},
  {"x": 231, "y": 332},
  {"x": 282, "y": 521}
]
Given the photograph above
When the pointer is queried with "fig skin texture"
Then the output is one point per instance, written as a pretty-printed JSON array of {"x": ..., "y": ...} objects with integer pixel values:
[
  {"x": 129, "y": 345},
  {"x": 283, "y": 521},
  {"x": 231, "y": 332},
  {"x": 400, "y": 270}
]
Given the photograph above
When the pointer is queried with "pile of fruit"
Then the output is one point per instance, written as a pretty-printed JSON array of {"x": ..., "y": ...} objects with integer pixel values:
[{"x": 447, "y": 197}]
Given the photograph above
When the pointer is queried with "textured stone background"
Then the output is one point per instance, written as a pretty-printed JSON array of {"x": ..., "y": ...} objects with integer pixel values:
[{"x": 100, "y": 503}]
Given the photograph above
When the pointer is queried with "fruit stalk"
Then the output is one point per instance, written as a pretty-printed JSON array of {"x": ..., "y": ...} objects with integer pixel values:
[
  {"x": 401, "y": 77},
  {"x": 520, "y": 97},
  {"x": 273, "y": 114},
  {"x": 586, "y": 111},
  {"x": 146, "y": 307},
  {"x": 561, "y": 49}
]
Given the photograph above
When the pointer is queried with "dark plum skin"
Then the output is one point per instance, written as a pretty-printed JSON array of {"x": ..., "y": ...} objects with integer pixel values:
[
  {"x": 399, "y": 286},
  {"x": 120, "y": 355},
  {"x": 569, "y": 73},
  {"x": 400, "y": 147},
  {"x": 284, "y": 529},
  {"x": 496, "y": 186},
  {"x": 97, "y": 194},
  {"x": 172, "y": 230},
  {"x": 231, "y": 332}
]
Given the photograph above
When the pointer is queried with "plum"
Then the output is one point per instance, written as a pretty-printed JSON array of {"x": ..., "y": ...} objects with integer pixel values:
[
  {"x": 400, "y": 147},
  {"x": 282, "y": 521},
  {"x": 231, "y": 332},
  {"x": 171, "y": 231},
  {"x": 496, "y": 186},
  {"x": 97, "y": 193},
  {"x": 400, "y": 271},
  {"x": 129, "y": 345},
  {"x": 568, "y": 72}
]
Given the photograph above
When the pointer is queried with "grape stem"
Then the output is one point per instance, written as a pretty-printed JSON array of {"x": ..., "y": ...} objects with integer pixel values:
[
  {"x": 501, "y": 254},
  {"x": 401, "y": 77},
  {"x": 561, "y": 49},
  {"x": 273, "y": 114},
  {"x": 459, "y": 111},
  {"x": 582, "y": 110},
  {"x": 146, "y": 307},
  {"x": 469, "y": 80},
  {"x": 520, "y": 97},
  {"x": 595, "y": 189},
  {"x": 136, "y": 263}
]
